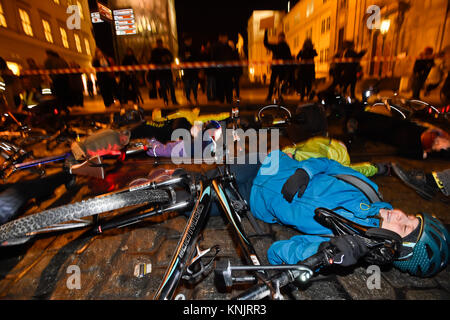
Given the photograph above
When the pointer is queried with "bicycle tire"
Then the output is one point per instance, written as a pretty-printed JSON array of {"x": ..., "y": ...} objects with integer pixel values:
[
  {"x": 32, "y": 223},
  {"x": 275, "y": 107}
]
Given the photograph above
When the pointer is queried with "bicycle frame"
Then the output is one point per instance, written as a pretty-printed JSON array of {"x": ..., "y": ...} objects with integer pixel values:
[{"x": 185, "y": 249}]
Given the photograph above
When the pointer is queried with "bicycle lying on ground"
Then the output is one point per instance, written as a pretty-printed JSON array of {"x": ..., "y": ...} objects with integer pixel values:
[{"x": 179, "y": 193}]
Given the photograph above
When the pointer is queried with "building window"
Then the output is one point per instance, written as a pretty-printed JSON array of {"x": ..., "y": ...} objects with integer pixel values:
[
  {"x": 2, "y": 17},
  {"x": 77, "y": 43},
  {"x": 26, "y": 23},
  {"x": 87, "y": 46},
  {"x": 47, "y": 31},
  {"x": 63, "y": 32},
  {"x": 328, "y": 23},
  {"x": 309, "y": 8},
  {"x": 80, "y": 8}
]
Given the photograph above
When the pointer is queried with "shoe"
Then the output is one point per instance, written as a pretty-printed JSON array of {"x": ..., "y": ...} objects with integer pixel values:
[
  {"x": 384, "y": 169},
  {"x": 415, "y": 179}
]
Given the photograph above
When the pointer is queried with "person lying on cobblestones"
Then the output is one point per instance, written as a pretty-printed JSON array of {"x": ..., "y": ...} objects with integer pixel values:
[
  {"x": 211, "y": 131},
  {"x": 285, "y": 191}
]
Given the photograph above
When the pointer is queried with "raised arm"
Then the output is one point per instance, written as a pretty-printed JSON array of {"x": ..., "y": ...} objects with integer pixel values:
[{"x": 269, "y": 46}]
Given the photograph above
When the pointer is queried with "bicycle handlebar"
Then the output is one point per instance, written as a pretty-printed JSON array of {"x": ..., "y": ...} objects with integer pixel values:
[{"x": 316, "y": 261}]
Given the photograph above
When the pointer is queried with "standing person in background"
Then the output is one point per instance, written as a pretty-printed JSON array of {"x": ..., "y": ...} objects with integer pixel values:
[
  {"x": 351, "y": 69},
  {"x": 35, "y": 80},
  {"x": 11, "y": 84},
  {"x": 280, "y": 51},
  {"x": 76, "y": 87},
  {"x": 236, "y": 71},
  {"x": 422, "y": 68},
  {"x": 189, "y": 53},
  {"x": 307, "y": 69},
  {"x": 210, "y": 73},
  {"x": 128, "y": 81},
  {"x": 60, "y": 82},
  {"x": 222, "y": 52},
  {"x": 105, "y": 80},
  {"x": 163, "y": 57},
  {"x": 90, "y": 87},
  {"x": 437, "y": 73}
]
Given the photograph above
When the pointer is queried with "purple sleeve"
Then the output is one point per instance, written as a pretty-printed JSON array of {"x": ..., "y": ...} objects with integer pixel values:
[{"x": 157, "y": 149}]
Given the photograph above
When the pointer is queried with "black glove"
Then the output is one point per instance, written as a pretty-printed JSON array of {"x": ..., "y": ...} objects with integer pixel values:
[
  {"x": 351, "y": 249},
  {"x": 296, "y": 183}
]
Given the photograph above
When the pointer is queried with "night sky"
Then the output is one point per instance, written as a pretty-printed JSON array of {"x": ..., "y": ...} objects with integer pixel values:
[{"x": 204, "y": 19}]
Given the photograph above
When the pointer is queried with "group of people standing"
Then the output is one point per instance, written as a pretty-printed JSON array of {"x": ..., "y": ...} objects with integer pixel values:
[
  {"x": 219, "y": 83},
  {"x": 124, "y": 90},
  {"x": 222, "y": 83},
  {"x": 345, "y": 75},
  {"x": 27, "y": 90}
]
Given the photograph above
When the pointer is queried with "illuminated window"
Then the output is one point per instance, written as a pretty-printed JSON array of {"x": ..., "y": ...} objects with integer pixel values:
[
  {"x": 63, "y": 32},
  {"x": 26, "y": 23},
  {"x": 14, "y": 67},
  {"x": 56, "y": 1},
  {"x": 2, "y": 17},
  {"x": 88, "y": 47},
  {"x": 77, "y": 42},
  {"x": 80, "y": 7},
  {"x": 310, "y": 8},
  {"x": 47, "y": 31}
]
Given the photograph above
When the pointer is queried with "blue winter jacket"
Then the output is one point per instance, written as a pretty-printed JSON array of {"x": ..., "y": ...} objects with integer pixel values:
[{"x": 324, "y": 190}]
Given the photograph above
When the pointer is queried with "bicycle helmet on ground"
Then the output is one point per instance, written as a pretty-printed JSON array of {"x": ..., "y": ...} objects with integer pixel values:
[{"x": 429, "y": 253}]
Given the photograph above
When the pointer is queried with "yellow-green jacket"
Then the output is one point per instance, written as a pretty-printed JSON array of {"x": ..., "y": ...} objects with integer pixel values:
[{"x": 322, "y": 147}]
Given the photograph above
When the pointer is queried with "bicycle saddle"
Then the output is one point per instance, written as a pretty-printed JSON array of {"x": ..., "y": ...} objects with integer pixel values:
[{"x": 383, "y": 244}]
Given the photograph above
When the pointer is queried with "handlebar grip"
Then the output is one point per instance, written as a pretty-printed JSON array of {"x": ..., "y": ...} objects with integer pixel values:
[{"x": 319, "y": 259}]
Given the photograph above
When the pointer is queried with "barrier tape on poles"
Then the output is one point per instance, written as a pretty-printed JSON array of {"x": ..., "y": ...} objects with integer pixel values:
[{"x": 199, "y": 65}]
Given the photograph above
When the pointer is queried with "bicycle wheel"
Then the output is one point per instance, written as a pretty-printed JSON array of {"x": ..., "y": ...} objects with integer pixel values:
[
  {"x": 274, "y": 115},
  {"x": 40, "y": 221}
]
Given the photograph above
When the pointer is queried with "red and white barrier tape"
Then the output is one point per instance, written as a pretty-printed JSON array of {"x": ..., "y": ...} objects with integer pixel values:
[{"x": 197, "y": 65}]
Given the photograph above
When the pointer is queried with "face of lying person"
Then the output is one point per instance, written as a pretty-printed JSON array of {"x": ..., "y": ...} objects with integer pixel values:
[{"x": 398, "y": 221}]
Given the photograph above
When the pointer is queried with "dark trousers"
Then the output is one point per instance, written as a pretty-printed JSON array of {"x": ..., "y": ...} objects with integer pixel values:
[
  {"x": 224, "y": 86},
  {"x": 417, "y": 85},
  {"x": 167, "y": 85},
  {"x": 276, "y": 73},
  {"x": 190, "y": 84}
]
